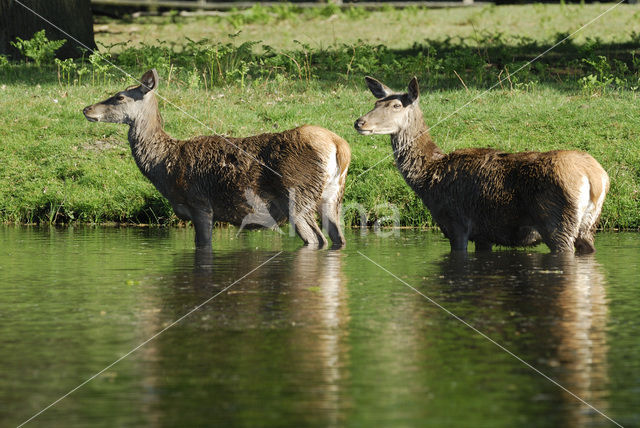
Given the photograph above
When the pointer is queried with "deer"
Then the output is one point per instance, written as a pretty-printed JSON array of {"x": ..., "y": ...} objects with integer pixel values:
[
  {"x": 263, "y": 179},
  {"x": 487, "y": 196}
]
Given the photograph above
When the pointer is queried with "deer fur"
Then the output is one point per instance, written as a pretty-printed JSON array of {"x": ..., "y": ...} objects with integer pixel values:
[
  {"x": 488, "y": 196},
  {"x": 264, "y": 179}
]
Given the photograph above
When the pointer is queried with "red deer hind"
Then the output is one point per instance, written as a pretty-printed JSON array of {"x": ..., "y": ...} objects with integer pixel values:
[
  {"x": 488, "y": 196},
  {"x": 292, "y": 175}
]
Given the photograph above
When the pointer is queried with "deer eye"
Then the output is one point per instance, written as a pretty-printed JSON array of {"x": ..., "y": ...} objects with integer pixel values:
[
  {"x": 120, "y": 98},
  {"x": 397, "y": 106}
]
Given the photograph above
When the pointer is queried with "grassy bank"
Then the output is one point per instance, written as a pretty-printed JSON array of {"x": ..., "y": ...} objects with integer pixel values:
[{"x": 57, "y": 167}]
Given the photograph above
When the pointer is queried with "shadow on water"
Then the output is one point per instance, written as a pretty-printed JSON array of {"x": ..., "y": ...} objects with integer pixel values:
[{"x": 556, "y": 305}]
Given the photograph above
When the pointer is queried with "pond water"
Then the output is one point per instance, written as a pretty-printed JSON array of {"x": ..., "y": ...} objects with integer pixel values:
[{"x": 291, "y": 337}]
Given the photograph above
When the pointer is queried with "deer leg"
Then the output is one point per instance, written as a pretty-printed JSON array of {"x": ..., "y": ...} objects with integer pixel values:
[
  {"x": 330, "y": 215},
  {"x": 458, "y": 244},
  {"x": 585, "y": 239},
  {"x": 308, "y": 230},
  {"x": 584, "y": 246},
  {"x": 558, "y": 240},
  {"x": 337, "y": 238},
  {"x": 458, "y": 237},
  {"x": 584, "y": 243},
  {"x": 182, "y": 211},
  {"x": 564, "y": 236},
  {"x": 303, "y": 215},
  {"x": 322, "y": 241},
  {"x": 483, "y": 246},
  {"x": 203, "y": 223}
]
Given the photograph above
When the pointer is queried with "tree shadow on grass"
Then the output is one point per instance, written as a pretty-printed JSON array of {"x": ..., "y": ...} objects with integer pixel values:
[
  {"x": 493, "y": 62},
  {"x": 487, "y": 62}
]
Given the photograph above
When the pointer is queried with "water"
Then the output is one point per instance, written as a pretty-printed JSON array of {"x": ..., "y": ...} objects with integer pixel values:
[{"x": 313, "y": 338}]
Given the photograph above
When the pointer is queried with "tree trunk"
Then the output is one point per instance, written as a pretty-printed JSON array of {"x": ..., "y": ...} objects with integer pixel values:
[{"x": 72, "y": 16}]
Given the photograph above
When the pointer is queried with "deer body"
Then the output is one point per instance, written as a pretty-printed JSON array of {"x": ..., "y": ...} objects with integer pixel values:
[
  {"x": 264, "y": 179},
  {"x": 488, "y": 196}
]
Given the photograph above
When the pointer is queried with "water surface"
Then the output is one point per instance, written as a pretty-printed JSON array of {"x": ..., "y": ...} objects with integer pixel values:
[{"x": 297, "y": 337}]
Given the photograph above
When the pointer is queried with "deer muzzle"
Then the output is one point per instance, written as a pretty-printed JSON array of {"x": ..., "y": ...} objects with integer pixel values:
[
  {"x": 360, "y": 125},
  {"x": 89, "y": 113}
]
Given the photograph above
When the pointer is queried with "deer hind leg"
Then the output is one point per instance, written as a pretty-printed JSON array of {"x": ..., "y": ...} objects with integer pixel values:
[
  {"x": 458, "y": 239},
  {"x": 558, "y": 239},
  {"x": 331, "y": 202},
  {"x": 302, "y": 216},
  {"x": 330, "y": 214},
  {"x": 459, "y": 243},
  {"x": 586, "y": 230},
  {"x": 483, "y": 246},
  {"x": 308, "y": 230},
  {"x": 335, "y": 233},
  {"x": 585, "y": 239},
  {"x": 203, "y": 223},
  {"x": 584, "y": 245},
  {"x": 588, "y": 213},
  {"x": 458, "y": 234},
  {"x": 560, "y": 234}
]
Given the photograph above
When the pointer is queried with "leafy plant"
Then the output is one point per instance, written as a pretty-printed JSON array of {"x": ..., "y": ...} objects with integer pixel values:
[
  {"x": 100, "y": 66},
  {"x": 40, "y": 49},
  {"x": 81, "y": 71},
  {"x": 65, "y": 70},
  {"x": 602, "y": 78}
]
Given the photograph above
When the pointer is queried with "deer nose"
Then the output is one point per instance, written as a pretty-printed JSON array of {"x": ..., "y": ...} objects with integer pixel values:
[
  {"x": 88, "y": 113},
  {"x": 359, "y": 123}
]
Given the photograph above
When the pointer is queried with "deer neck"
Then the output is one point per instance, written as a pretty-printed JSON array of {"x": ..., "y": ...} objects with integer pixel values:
[
  {"x": 415, "y": 151},
  {"x": 150, "y": 145}
]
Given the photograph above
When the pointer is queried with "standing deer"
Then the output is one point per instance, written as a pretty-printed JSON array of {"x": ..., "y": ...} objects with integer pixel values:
[
  {"x": 487, "y": 196},
  {"x": 288, "y": 175}
]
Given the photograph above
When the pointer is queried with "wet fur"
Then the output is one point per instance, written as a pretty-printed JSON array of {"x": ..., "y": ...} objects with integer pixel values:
[
  {"x": 492, "y": 197},
  {"x": 208, "y": 178}
]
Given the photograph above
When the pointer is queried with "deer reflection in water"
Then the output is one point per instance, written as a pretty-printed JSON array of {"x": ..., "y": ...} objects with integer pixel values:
[
  {"x": 278, "y": 336},
  {"x": 559, "y": 301}
]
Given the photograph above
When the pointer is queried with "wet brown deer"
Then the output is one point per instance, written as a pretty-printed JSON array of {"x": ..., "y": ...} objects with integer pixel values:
[
  {"x": 264, "y": 179},
  {"x": 487, "y": 196}
]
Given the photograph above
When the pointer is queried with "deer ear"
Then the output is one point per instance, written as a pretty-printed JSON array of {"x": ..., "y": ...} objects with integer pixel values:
[
  {"x": 149, "y": 81},
  {"x": 414, "y": 90},
  {"x": 377, "y": 88}
]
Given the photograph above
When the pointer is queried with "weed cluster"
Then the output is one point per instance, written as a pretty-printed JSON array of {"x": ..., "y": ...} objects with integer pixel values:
[
  {"x": 484, "y": 61},
  {"x": 39, "y": 48}
]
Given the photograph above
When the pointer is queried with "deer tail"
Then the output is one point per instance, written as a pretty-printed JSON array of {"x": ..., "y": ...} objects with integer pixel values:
[
  {"x": 598, "y": 182},
  {"x": 343, "y": 157}
]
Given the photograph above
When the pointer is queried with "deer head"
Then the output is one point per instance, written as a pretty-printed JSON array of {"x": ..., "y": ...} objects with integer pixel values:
[
  {"x": 125, "y": 106},
  {"x": 393, "y": 111}
]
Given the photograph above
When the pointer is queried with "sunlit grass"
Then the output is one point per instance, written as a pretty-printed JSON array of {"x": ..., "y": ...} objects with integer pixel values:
[
  {"x": 280, "y": 27},
  {"x": 57, "y": 167}
]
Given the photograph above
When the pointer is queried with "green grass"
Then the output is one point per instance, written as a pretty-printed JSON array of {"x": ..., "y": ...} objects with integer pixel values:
[
  {"x": 57, "y": 167},
  {"x": 280, "y": 27}
]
